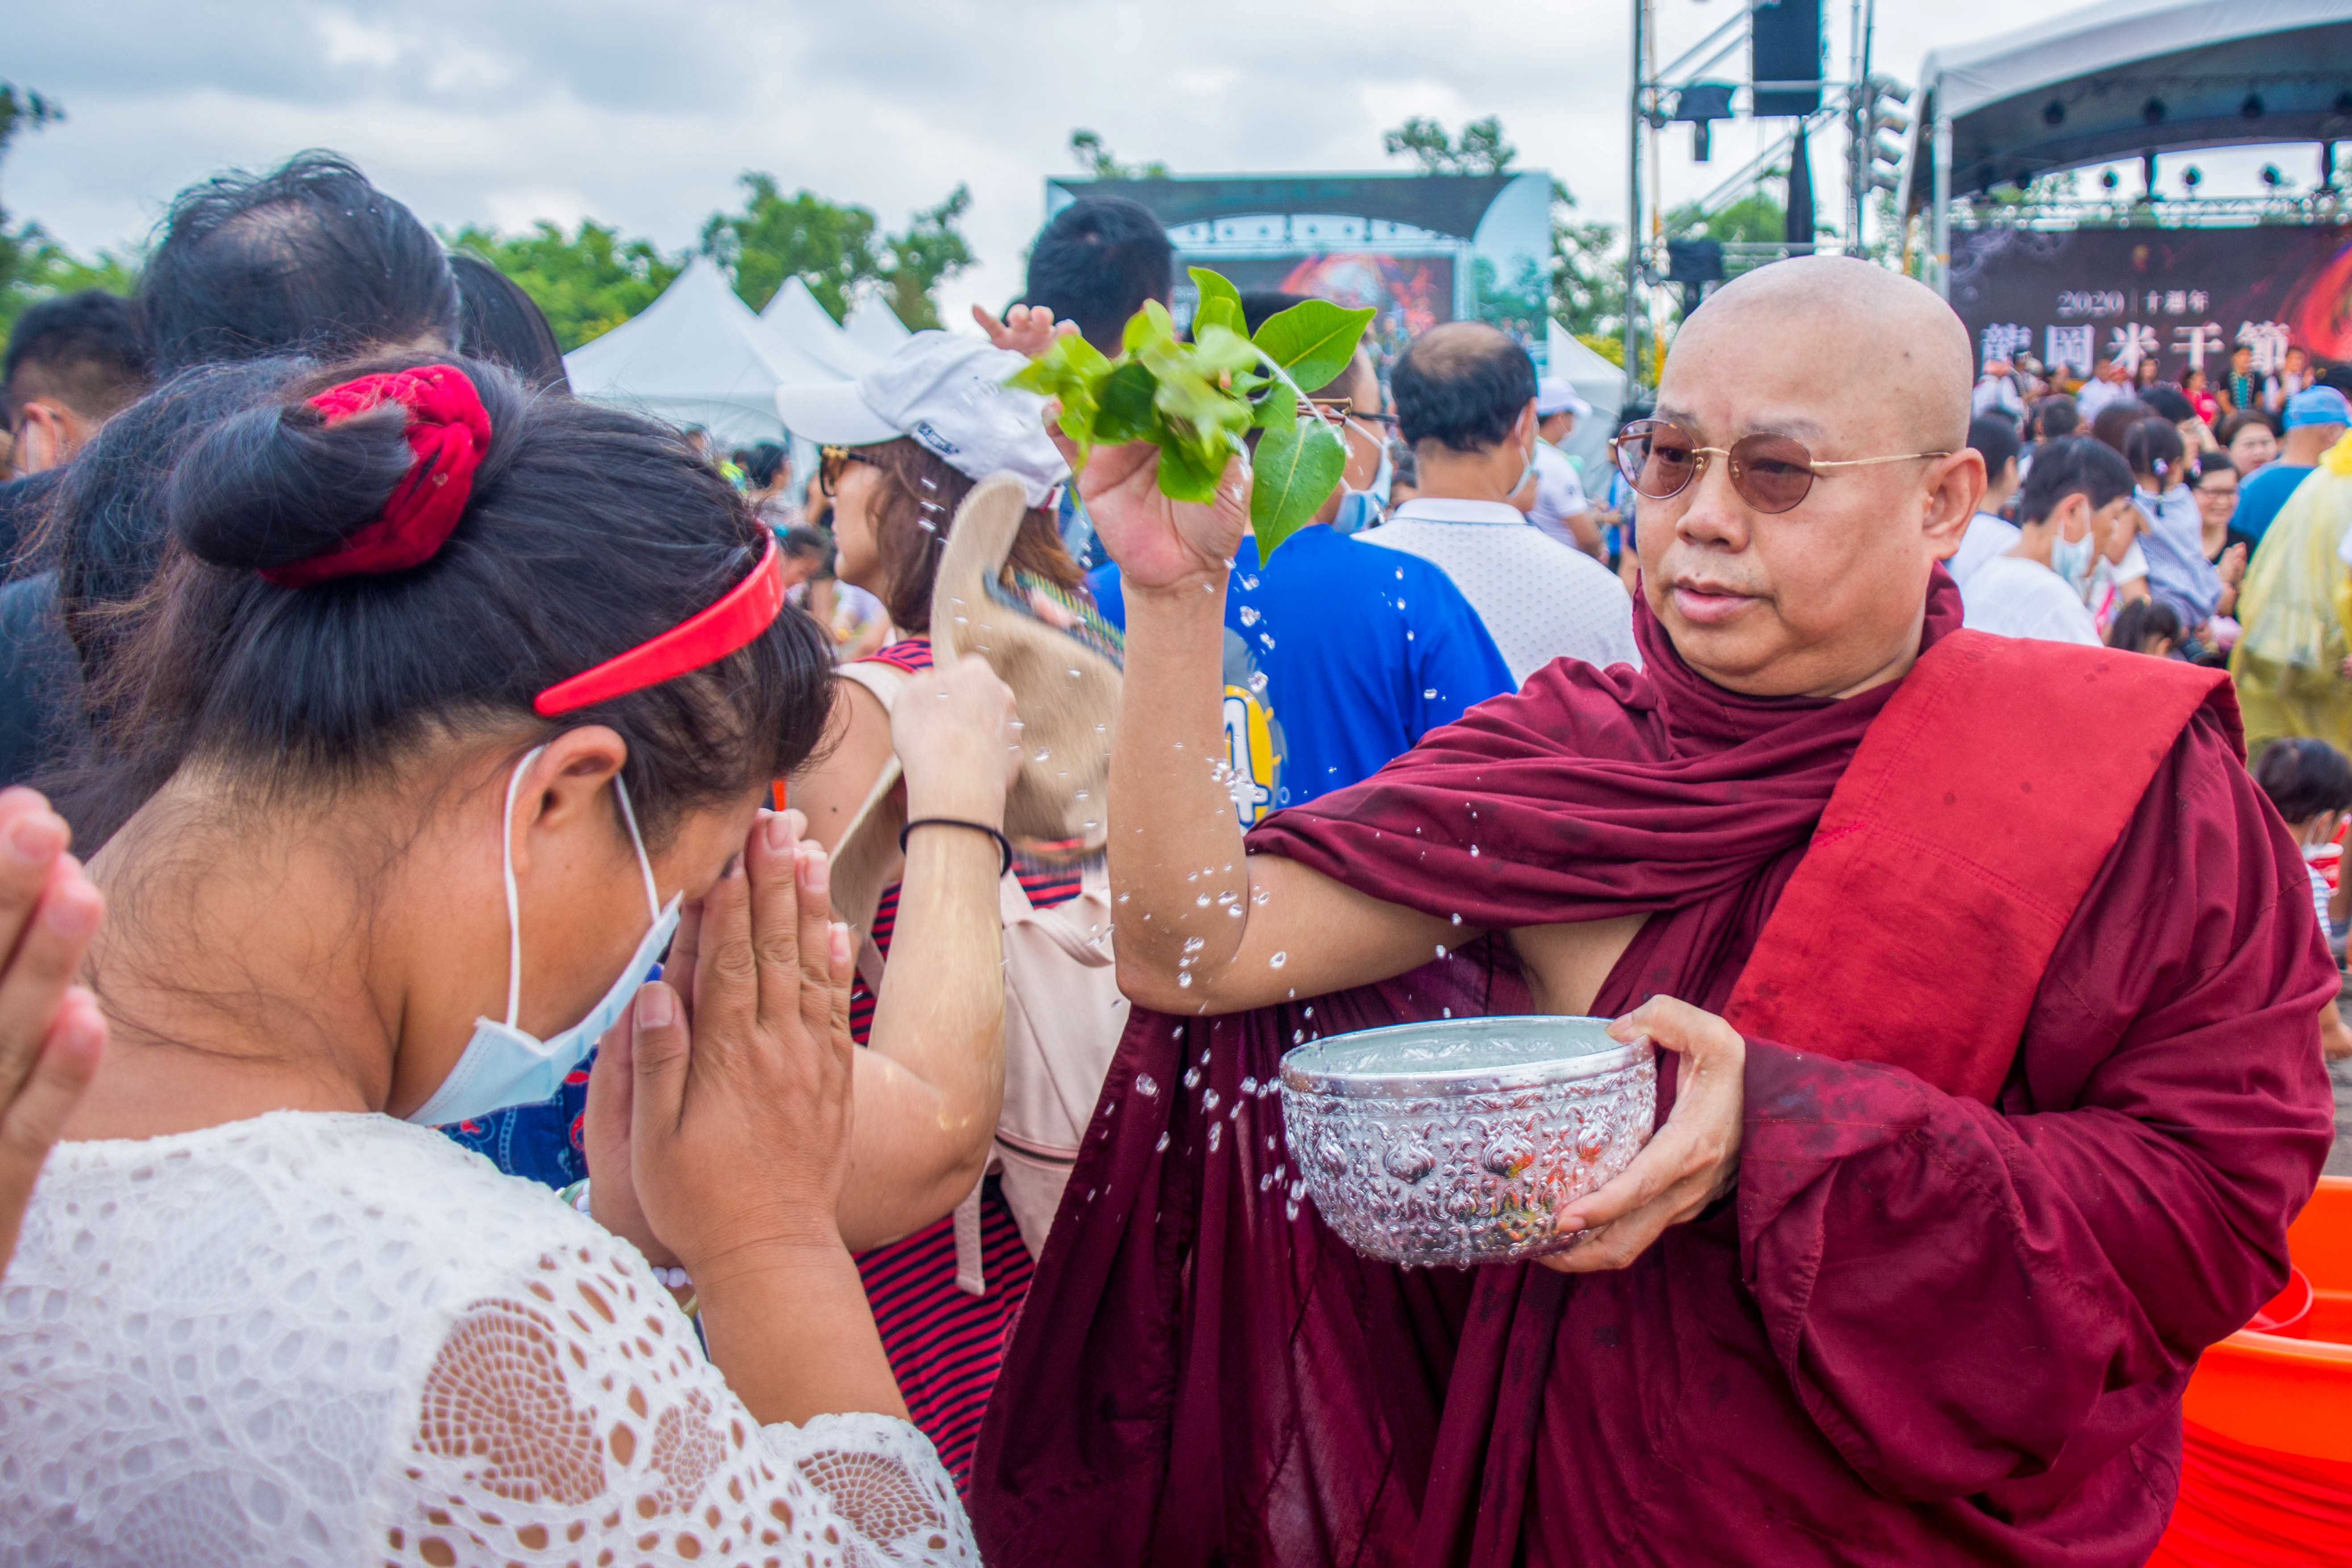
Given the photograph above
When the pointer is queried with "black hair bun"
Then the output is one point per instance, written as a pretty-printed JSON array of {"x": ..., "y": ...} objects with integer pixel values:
[{"x": 278, "y": 484}]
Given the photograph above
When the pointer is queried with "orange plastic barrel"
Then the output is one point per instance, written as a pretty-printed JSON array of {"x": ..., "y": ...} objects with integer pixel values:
[{"x": 2266, "y": 1467}]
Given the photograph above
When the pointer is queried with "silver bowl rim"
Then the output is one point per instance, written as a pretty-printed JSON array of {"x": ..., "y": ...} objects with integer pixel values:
[{"x": 1298, "y": 1079}]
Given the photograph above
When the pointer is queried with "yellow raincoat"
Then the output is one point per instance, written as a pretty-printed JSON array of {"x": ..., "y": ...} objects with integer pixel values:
[{"x": 2296, "y": 608}]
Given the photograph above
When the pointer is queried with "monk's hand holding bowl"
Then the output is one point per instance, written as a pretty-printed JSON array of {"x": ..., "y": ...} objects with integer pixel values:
[
  {"x": 1162, "y": 544},
  {"x": 1693, "y": 1160}
]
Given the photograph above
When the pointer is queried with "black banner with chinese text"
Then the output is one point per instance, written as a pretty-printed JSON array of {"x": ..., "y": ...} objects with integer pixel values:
[{"x": 2188, "y": 297}]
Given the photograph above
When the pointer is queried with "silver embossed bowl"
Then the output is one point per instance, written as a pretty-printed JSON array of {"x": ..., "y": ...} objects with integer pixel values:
[{"x": 1455, "y": 1141}]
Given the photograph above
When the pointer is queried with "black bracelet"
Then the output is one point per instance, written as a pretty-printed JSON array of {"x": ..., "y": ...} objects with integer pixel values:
[{"x": 1002, "y": 843}]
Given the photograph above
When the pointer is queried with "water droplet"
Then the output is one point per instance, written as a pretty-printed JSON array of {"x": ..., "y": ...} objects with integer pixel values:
[
  {"x": 1203, "y": 902},
  {"x": 1235, "y": 910},
  {"x": 1209, "y": 1100},
  {"x": 1260, "y": 896},
  {"x": 1145, "y": 1085},
  {"x": 1215, "y": 1130},
  {"x": 1309, "y": 1013},
  {"x": 1290, "y": 1209},
  {"x": 1183, "y": 980},
  {"x": 1257, "y": 682},
  {"x": 1249, "y": 1085},
  {"x": 1474, "y": 850},
  {"x": 1192, "y": 1078},
  {"x": 1277, "y": 961},
  {"x": 1298, "y": 1037},
  {"x": 1441, "y": 949},
  {"x": 1249, "y": 615},
  {"x": 1429, "y": 694},
  {"x": 1161, "y": 1147},
  {"x": 1457, "y": 919}
]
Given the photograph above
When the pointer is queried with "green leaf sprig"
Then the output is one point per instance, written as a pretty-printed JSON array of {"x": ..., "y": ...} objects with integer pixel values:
[{"x": 1198, "y": 401}]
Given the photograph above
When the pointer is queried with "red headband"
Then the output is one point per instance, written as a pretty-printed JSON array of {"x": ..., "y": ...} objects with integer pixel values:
[
  {"x": 747, "y": 609},
  {"x": 448, "y": 431}
]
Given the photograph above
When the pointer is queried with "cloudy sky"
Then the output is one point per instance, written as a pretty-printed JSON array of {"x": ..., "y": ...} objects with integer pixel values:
[{"x": 501, "y": 111}]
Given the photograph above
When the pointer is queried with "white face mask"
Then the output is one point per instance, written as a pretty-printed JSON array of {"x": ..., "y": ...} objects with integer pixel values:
[
  {"x": 1360, "y": 508},
  {"x": 2076, "y": 559},
  {"x": 503, "y": 1065}
]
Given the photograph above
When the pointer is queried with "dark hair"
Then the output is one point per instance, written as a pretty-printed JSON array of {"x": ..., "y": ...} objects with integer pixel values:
[
  {"x": 912, "y": 510},
  {"x": 104, "y": 534},
  {"x": 589, "y": 532},
  {"x": 1096, "y": 261},
  {"x": 800, "y": 544},
  {"x": 762, "y": 463},
  {"x": 2109, "y": 425},
  {"x": 498, "y": 321},
  {"x": 2053, "y": 417},
  {"x": 2142, "y": 622},
  {"x": 1463, "y": 384},
  {"x": 1994, "y": 437},
  {"x": 308, "y": 257},
  {"x": 2229, "y": 429},
  {"x": 2211, "y": 463},
  {"x": 2304, "y": 777},
  {"x": 2170, "y": 403},
  {"x": 2154, "y": 446},
  {"x": 82, "y": 349},
  {"x": 1258, "y": 304},
  {"x": 2072, "y": 465}
]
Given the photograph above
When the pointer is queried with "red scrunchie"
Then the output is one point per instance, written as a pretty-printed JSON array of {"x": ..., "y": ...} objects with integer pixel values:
[{"x": 448, "y": 431}]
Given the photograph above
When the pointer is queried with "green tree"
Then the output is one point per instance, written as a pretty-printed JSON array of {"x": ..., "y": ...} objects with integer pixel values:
[
  {"x": 1481, "y": 149},
  {"x": 588, "y": 282},
  {"x": 33, "y": 264},
  {"x": 931, "y": 251},
  {"x": 837, "y": 250},
  {"x": 1587, "y": 272},
  {"x": 1587, "y": 285},
  {"x": 1098, "y": 162},
  {"x": 832, "y": 249}
]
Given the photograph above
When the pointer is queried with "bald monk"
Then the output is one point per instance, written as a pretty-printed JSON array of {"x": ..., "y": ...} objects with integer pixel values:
[{"x": 1984, "y": 983}]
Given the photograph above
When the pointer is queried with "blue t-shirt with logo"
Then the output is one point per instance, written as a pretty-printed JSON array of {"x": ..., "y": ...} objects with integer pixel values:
[{"x": 1338, "y": 657}]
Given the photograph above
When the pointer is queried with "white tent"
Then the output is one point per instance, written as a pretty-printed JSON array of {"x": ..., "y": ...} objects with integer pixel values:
[
  {"x": 696, "y": 356},
  {"x": 2118, "y": 79},
  {"x": 1597, "y": 382},
  {"x": 875, "y": 325},
  {"x": 795, "y": 316}
]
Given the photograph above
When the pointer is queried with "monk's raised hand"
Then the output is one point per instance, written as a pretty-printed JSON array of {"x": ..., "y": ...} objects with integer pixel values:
[
  {"x": 1693, "y": 1160},
  {"x": 1160, "y": 543}
]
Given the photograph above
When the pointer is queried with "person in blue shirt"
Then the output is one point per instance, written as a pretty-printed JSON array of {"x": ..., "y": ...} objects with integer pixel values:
[
  {"x": 2315, "y": 420},
  {"x": 1339, "y": 655}
]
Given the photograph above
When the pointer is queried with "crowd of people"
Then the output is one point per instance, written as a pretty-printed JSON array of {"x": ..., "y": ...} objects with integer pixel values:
[{"x": 575, "y": 996}]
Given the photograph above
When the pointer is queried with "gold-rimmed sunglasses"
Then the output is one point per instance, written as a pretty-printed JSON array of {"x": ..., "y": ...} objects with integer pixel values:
[
  {"x": 832, "y": 462},
  {"x": 1772, "y": 473}
]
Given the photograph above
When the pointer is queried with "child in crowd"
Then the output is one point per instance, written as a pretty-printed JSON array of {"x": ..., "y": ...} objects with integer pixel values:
[
  {"x": 2147, "y": 625},
  {"x": 2310, "y": 782}
]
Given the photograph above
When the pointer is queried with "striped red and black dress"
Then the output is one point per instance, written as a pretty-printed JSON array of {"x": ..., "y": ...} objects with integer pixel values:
[{"x": 946, "y": 1346}]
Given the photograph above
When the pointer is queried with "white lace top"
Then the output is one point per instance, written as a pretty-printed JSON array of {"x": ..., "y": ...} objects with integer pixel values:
[{"x": 315, "y": 1338}]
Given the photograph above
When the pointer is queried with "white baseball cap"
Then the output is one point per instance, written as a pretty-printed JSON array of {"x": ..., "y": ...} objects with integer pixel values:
[
  {"x": 946, "y": 392},
  {"x": 1555, "y": 395}
]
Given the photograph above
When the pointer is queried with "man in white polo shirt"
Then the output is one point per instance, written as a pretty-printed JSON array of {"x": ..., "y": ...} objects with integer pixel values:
[
  {"x": 1466, "y": 402},
  {"x": 1561, "y": 511}
]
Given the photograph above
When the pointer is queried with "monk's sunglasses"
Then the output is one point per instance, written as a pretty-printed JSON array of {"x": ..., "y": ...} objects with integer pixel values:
[{"x": 1772, "y": 473}]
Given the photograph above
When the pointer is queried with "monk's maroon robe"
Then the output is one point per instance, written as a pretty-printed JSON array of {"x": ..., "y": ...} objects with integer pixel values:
[{"x": 1924, "y": 1330}]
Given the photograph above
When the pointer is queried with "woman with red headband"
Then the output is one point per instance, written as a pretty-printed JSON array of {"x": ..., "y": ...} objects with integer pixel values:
[{"x": 452, "y": 713}]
